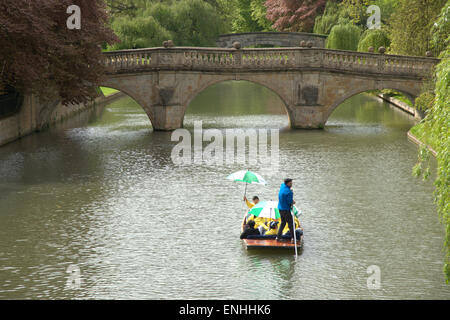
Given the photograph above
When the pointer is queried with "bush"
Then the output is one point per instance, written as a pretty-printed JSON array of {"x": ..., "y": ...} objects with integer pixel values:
[
  {"x": 373, "y": 38},
  {"x": 344, "y": 37},
  {"x": 425, "y": 101},
  {"x": 140, "y": 32}
]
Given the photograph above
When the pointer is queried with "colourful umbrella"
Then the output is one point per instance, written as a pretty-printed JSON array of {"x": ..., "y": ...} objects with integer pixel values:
[
  {"x": 268, "y": 209},
  {"x": 248, "y": 177}
]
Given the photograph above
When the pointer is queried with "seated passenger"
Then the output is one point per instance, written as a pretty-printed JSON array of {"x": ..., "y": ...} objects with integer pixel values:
[
  {"x": 298, "y": 234},
  {"x": 249, "y": 229},
  {"x": 258, "y": 221},
  {"x": 269, "y": 229},
  {"x": 250, "y": 205},
  {"x": 298, "y": 230}
]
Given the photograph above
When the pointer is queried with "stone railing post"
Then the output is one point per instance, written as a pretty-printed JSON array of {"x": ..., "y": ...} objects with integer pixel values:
[
  {"x": 298, "y": 57},
  {"x": 319, "y": 58},
  {"x": 381, "y": 59},
  {"x": 237, "y": 57},
  {"x": 237, "y": 54},
  {"x": 168, "y": 57}
]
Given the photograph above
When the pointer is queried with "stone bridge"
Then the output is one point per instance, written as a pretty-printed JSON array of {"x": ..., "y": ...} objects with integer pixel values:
[
  {"x": 281, "y": 39},
  {"x": 311, "y": 82}
]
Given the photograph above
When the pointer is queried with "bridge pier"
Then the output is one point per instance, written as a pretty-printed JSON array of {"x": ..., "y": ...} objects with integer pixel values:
[
  {"x": 307, "y": 117},
  {"x": 167, "y": 118}
]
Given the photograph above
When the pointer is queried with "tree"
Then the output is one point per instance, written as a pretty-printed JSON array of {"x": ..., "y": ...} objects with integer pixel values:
[
  {"x": 187, "y": 23},
  {"x": 436, "y": 128},
  {"x": 227, "y": 9},
  {"x": 440, "y": 32},
  {"x": 344, "y": 37},
  {"x": 294, "y": 15},
  {"x": 192, "y": 22},
  {"x": 373, "y": 38},
  {"x": 324, "y": 23},
  {"x": 39, "y": 54},
  {"x": 139, "y": 32},
  {"x": 126, "y": 7},
  {"x": 410, "y": 26},
  {"x": 259, "y": 14},
  {"x": 250, "y": 16}
]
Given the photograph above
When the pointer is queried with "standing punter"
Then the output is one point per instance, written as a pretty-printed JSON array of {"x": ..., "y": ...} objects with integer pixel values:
[{"x": 285, "y": 203}]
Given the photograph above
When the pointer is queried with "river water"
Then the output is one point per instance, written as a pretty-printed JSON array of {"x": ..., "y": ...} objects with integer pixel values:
[{"x": 105, "y": 199}]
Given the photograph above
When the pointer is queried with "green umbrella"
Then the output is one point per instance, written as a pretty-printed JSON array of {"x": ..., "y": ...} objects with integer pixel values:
[{"x": 248, "y": 177}]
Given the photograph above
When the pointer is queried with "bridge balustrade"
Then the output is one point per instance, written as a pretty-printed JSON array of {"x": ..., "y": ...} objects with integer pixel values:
[{"x": 223, "y": 59}]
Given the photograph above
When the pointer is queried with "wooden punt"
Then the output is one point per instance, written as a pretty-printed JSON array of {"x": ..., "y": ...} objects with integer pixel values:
[{"x": 269, "y": 243}]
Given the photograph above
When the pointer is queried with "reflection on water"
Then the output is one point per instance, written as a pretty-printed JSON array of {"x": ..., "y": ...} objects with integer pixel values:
[{"x": 106, "y": 197}]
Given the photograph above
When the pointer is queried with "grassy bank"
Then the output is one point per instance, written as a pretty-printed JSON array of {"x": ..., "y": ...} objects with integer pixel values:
[
  {"x": 419, "y": 132},
  {"x": 396, "y": 95},
  {"x": 108, "y": 91}
]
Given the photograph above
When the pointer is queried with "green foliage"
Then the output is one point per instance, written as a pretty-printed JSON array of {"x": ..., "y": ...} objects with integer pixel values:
[
  {"x": 147, "y": 23},
  {"x": 441, "y": 30},
  {"x": 437, "y": 126},
  {"x": 250, "y": 16},
  {"x": 352, "y": 12},
  {"x": 194, "y": 23},
  {"x": 425, "y": 101},
  {"x": 395, "y": 94},
  {"x": 324, "y": 23},
  {"x": 108, "y": 91},
  {"x": 139, "y": 32},
  {"x": 356, "y": 9},
  {"x": 259, "y": 14},
  {"x": 227, "y": 10},
  {"x": 127, "y": 7},
  {"x": 387, "y": 7},
  {"x": 344, "y": 37},
  {"x": 419, "y": 132},
  {"x": 410, "y": 25},
  {"x": 422, "y": 168},
  {"x": 374, "y": 38},
  {"x": 339, "y": 14}
]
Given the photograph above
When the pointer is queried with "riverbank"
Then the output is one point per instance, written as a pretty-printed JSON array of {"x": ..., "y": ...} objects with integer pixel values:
[
  {"x": 416, "y": 134},
  {"x": 35, "y": 116},
  {"x": 400, "y": 105}
]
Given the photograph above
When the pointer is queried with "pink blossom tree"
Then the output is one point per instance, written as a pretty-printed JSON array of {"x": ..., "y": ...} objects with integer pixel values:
[{"x": 294, "y": 15}]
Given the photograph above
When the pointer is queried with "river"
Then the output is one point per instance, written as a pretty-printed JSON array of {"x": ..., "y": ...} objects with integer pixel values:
[{"x": 105, "y": 198}]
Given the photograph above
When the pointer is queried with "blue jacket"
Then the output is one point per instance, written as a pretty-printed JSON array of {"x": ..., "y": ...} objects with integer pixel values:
[{"x": 285, "y": 198}]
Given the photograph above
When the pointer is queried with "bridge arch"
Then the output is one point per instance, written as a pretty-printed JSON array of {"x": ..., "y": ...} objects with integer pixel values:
[
  {"x": 213, "y": 81},
  {"x": 410, "y": 93},
  {"x": 131, "y": 92}
]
